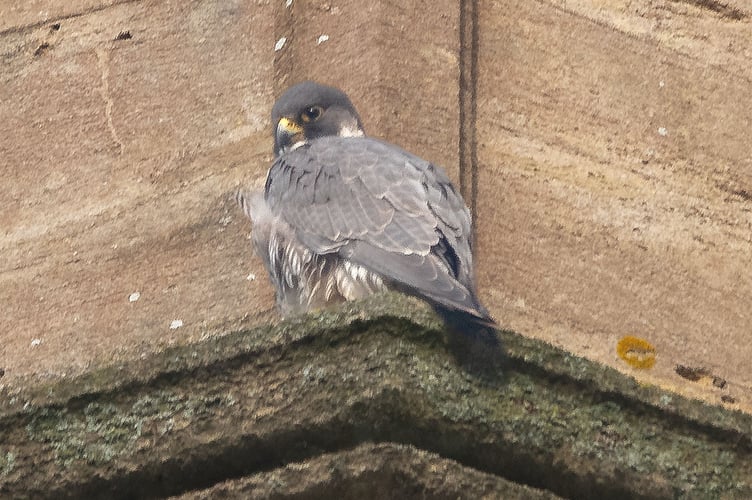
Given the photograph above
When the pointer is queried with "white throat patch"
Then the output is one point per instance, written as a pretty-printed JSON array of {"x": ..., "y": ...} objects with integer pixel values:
[
  {"x": 295, "y": 146},
  {"x": 287, "y": 149},
  {"x": 350, "y": 130}
]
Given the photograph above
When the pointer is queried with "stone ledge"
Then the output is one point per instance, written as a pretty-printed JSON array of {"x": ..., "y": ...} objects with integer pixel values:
[
  {"x": 384, "y": 470},
  {"x": 256, "y": 400}
]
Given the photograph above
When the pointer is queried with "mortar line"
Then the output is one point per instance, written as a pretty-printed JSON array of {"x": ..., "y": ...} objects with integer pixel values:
[{"x": 468, "y": 66}]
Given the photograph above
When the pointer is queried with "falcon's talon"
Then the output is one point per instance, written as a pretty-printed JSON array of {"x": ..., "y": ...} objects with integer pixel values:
[{"x": 348, "y": 215}]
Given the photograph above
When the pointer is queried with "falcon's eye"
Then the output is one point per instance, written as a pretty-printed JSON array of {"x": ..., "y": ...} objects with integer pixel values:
[{"x": 311, "y": 114}]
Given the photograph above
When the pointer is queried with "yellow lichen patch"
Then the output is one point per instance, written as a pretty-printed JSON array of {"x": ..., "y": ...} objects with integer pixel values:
[{"x": 636, "y": 352}]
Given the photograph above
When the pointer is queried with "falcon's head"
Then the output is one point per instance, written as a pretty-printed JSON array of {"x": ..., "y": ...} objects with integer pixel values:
[{"x": 309, "y": 110}]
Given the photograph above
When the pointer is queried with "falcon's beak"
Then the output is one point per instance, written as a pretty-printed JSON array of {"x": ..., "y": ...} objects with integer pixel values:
[{"x": 289, "y": 136}]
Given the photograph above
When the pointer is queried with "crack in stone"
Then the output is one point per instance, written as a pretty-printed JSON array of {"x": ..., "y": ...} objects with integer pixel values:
[
  {"x": 103, "y": 59},
  {"x": 65, "y": 17}
]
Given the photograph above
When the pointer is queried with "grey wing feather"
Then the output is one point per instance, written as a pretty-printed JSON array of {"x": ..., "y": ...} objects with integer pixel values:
[
  {"x": 382, "y": 208},
  {"x": 302, "y": 279}
]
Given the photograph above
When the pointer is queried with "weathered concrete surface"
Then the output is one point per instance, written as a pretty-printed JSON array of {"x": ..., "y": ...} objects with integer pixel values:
[
  {"x": 120, "y": 157},
  {"x": 251, "y": 401},
  {"x": 616, "y": 181}
]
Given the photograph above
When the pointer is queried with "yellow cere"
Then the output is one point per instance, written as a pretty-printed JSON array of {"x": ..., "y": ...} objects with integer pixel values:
[{"x": 636, "y": 352}]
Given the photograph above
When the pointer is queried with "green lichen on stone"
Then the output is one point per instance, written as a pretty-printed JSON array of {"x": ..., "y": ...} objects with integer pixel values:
[
  {"x": 564, "y": 421},
  {"x": 101, "y": 431},
  {"x": 7, "y": 462}
]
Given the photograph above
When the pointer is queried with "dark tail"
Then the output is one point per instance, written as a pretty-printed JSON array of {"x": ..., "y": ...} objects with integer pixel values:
[{"x": 474, "y": 340}]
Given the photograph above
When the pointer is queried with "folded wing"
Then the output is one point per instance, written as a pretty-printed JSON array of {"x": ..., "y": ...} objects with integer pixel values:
[{"x": 382, "y": 208}]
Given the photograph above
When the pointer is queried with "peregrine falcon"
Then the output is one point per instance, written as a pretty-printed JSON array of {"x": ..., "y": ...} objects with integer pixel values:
[{"x": 344, "y": 215}]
